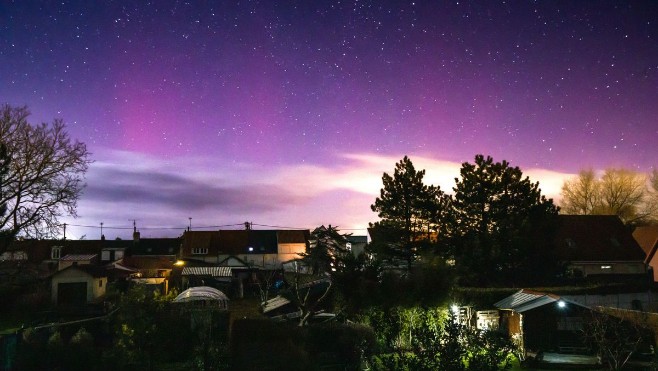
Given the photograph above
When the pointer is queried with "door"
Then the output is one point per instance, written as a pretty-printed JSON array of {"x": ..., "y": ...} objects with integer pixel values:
[{"x": 72, "y": 293}]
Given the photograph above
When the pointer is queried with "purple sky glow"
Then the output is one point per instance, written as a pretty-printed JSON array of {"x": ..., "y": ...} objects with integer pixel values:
[{"x": 286, "y": 113}]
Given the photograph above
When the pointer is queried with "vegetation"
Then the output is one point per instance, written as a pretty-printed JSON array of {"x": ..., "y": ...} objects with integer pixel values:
[
  {"x": 631, "y": 195},
  {"x": 487, "y": 237},
  {"x": 409, "y": 209},
  {"x": 494, "y": 228},
  {"x": 502, "y": 226},
  {"x": 618, "y": 335},
  {"x": 432, "y": 339},
  {"x": 5, "y": 160},
  {"x": 44, "y": 177}
]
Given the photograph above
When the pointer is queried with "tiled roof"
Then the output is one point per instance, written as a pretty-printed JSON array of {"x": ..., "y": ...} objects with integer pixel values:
[
  {"x": 155, "y": 246},
  {"x": 77, "y": 257},
  {"x": 595, "y": 238},
  {"x": 293, "y": 236},
  {"x": 147, "y": 262},
  {"x": 646, "y": 237}
]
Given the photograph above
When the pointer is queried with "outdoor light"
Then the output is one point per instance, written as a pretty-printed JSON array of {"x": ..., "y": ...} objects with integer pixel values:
[
  {"x": 179, "y": 263},
  {"x": 455, "y": 309},
  {"x": 251, "y": 249},
  {"x": 561, "y": 304}
]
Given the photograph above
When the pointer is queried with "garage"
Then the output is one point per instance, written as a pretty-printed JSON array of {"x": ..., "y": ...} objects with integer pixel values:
[{"x": 71, "y": 293}]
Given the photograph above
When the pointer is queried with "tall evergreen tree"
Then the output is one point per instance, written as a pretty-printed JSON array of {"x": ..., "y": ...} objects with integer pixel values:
[
  {"x": 502, "y": 224},
  {"x": 407, "y": 206}
]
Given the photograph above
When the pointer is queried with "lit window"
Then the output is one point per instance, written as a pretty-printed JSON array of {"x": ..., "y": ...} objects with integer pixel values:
[
  {"x": 200, "y": 250},
  {"x": 606, "y": 267}
]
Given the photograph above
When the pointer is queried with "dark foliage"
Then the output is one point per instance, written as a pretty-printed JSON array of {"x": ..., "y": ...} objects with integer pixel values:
[
  {"x": 409, "y": 210},
  {"x": 264, "y": 345},
  {"x": 502, "y": 226}
]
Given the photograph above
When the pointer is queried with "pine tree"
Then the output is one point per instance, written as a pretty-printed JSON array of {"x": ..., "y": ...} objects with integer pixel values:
[
  {"x": 501, "y": 223},
  {"x": 408, "y": 209}
]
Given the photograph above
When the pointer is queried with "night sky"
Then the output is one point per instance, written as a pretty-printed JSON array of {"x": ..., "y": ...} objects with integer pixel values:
[{"x": 286, "y": 113}]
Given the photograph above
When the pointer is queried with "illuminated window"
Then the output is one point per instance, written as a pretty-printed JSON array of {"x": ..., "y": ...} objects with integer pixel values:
[
  {"x": 606, "y": 267},
  {"x": 200, "y": 251}
]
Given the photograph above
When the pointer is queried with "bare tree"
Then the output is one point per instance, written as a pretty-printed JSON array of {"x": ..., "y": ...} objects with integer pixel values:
[
  {"x": 581, "y": 195},
  {"x": 622, "y": 192},
  {"x": 266, "y": 280},
  {"x": 45, "y": 176},
  {"x": 614, "y": 338},
  {"x": 308, "y": 295}
]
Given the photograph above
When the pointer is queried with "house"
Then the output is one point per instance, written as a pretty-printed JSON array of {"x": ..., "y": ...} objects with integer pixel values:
[
  {"x": 46, "y": 254},
  {"x": 647, "y": 238},
  {"x": 148, "y": 270},
  {"x": 541, "y": 322},
  {"x": 357, "y": 244},
  {"x": 154, "y": 247},
  {"x": 78, "y": 284},
  {"x": 263, "y": 249},
  {"x": 598, "y": 245}
]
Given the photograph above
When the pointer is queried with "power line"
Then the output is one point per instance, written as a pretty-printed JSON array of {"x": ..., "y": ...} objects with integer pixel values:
[
  {"x": 144, "y": 228},
  {"x": 106, "y": 227}
]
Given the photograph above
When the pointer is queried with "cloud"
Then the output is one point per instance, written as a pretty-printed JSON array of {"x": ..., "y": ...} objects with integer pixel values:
[{"x": 125, "y": 186}]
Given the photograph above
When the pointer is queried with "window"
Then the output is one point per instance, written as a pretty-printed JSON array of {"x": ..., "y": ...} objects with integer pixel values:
[
  {"x": 100, "y": 283},
  {"x": 55, "y": 252},
  {"x": 200, "y": 251},
  {"x": 606, "y": 267}
]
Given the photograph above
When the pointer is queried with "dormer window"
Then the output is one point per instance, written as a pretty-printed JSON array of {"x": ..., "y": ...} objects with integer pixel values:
[
  {"x": 200, "y": 250},
  {"x": 55, "y": 252}
]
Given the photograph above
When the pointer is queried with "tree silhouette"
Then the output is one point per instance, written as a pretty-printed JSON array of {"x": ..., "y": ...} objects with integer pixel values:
[
  {"x": 501, "y": 225},
  {"x": 4, "y": 169},
  {"x": 44, "y": 178},
  {"x": 407, "y": 207}
]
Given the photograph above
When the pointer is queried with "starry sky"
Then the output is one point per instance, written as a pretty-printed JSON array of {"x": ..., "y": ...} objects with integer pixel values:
[{"x": 287, "y": 113}]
